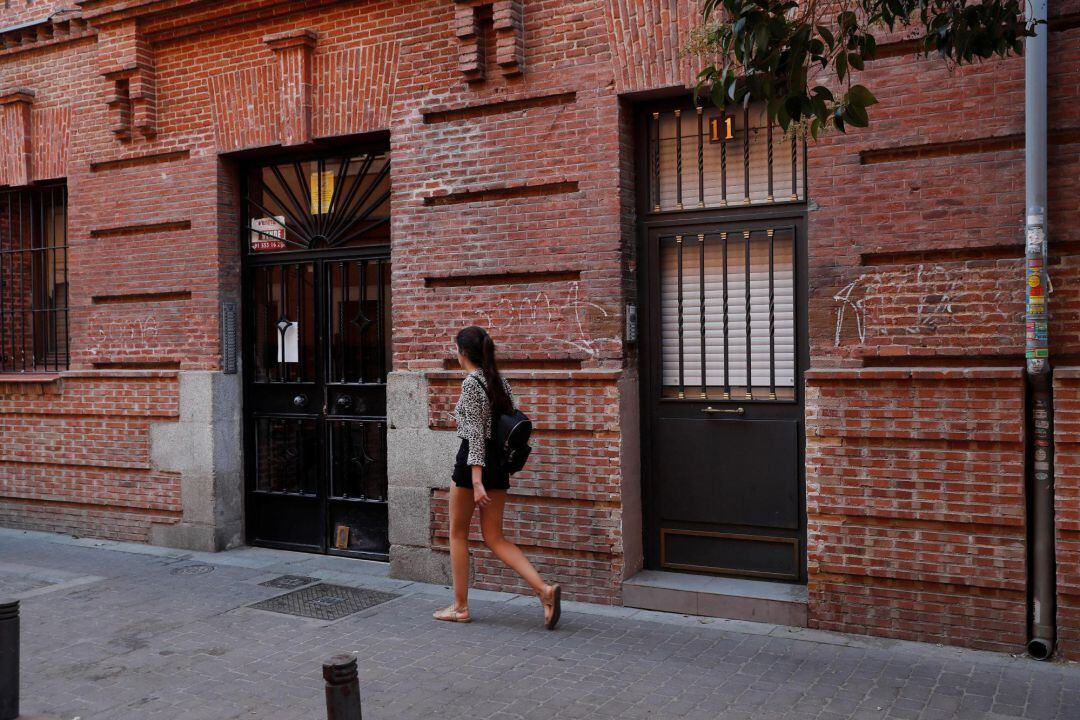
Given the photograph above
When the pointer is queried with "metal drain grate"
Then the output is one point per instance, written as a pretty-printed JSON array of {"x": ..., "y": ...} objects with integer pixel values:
[
  {"x": 289, "y": 582},
  {"x": 193, "y": 570},
  {"x": 324, "y": 602}
]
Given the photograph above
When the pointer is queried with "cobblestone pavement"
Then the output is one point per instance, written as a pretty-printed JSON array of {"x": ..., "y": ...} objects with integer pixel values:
[{"x": 125, "y": 631}]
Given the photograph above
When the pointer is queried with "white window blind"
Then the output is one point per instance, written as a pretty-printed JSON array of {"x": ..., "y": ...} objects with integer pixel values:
[
  {"x": 722, "y": 368},
  {"x": 720, "y": 180}
]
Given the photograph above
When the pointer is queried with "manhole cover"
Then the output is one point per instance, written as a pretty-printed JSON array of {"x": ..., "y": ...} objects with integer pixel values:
[
  {"x": 324, "y": 602},
  {"x": 289, "y": 582},
  {"x": 193, "y": 570}
]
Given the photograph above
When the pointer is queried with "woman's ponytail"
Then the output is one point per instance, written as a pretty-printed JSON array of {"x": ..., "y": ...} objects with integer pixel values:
[{"x": 475, "y": 343}]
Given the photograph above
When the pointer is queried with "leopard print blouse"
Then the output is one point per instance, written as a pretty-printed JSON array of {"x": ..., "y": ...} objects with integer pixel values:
[{"x": 473, "y": 415}]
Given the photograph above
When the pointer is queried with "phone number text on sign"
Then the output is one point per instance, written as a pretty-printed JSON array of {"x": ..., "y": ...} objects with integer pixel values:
[{"x": 268, "y": 233}]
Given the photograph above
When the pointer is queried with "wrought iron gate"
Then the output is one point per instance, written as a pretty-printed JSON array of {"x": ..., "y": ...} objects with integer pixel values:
[
  {"x": 317, "y": 329},
  {"x": 722, "y": 269}
]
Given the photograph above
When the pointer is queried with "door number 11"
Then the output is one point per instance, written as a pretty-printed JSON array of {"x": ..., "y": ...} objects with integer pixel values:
[{"x": 721, "y": 129}]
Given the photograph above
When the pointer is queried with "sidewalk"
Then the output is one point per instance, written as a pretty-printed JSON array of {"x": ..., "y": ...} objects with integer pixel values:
[{"x": 118, "y": 631}]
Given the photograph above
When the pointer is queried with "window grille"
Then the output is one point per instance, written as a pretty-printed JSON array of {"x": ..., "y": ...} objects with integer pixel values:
[
  {"x": 727, "y": 307},
  {"x": 709, "y": 158},
  {"x": 33, "y": 280}
]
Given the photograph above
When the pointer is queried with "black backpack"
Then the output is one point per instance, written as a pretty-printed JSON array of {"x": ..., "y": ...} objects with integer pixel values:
[{"x": 510, "y": 433}]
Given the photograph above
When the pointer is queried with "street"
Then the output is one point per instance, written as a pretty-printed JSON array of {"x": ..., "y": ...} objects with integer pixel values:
[{"x": 119, "y": 631}]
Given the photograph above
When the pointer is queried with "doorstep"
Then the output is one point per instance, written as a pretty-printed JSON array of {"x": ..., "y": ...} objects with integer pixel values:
[{"x": 732, "y": 598}]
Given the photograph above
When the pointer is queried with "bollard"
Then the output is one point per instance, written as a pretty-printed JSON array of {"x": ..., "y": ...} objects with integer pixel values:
[
  {"x": 9, "y": 660},
  {"x": 342, "y": 688}
]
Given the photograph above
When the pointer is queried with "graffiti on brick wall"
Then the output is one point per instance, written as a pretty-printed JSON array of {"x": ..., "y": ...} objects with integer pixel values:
[
  {"x": 851, "y": 309},
  {"x": 509, "y": 314},
  {"x": 133, "y": 333},
  {"x": 920, "y": 301}
]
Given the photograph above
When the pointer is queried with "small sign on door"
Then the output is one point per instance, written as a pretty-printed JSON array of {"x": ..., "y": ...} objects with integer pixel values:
[
  {"x": 288, "y": 348},
  {"x": 268, "y": 233}
]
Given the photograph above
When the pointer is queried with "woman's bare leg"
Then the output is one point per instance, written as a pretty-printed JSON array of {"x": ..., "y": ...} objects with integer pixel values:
[
  {"x": 461, "y": 512},
  {"x": 491, "y": 523}
]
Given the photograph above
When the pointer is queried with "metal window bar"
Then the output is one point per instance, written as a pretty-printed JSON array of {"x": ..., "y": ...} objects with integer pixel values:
[
  {"x": 34, "y": 319},
  {"x": 769, "y": 198},
  {"x": 701, "y": 157},
  {"x": 795, "y": 166},
  {"x": 746, "y": 286},
  {"x": 380, "y": 317},
  {"x": 724, "y": 274},
  {"x": 361, "y": 297},
  {"x": 678, "y": 159},
  {"x": 343, "y": 273},
  {"x": 746, "y": 156},
  {"x": 656, "y": 161},
  {"x": 300, "y": 360},
  {"x": 772, "y": 320},
  {"x": 701, "y": 311},
  {"x": 723, "y": 172},
  {"x": 682, "y": 381}
]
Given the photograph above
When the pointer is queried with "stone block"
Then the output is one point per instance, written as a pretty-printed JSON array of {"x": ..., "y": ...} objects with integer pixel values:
[
  {"x": 419, "y": 563},
  {"x": 410, "y": 515}
]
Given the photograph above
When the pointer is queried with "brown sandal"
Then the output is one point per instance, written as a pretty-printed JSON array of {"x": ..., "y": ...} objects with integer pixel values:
[
  {"x": 552, "y": 599},
  {"x": 452, "y": 614}
]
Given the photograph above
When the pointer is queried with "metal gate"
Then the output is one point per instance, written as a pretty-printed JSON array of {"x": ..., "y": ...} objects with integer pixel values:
[
  {"x": 722, "y": 272},
  {"x": 317, "y": 350}
]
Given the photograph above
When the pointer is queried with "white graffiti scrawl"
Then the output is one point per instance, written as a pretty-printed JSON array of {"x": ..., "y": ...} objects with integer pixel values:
[
  {"x": 857, "y": 309},
  {"x": 540, "y": 307}
]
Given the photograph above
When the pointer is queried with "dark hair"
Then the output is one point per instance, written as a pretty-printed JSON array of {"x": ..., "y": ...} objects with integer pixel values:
[{"x": 475, "y": 344}]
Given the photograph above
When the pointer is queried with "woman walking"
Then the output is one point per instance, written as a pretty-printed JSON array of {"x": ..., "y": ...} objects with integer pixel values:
[{"x": 478, "y": 482}]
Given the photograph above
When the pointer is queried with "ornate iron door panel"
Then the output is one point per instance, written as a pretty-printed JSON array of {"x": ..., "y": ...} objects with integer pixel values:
[{"x": 317, "y": 323}]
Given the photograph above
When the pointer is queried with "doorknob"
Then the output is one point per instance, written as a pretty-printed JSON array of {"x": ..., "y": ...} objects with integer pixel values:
[
  {"x": 300, "y": 400},
  {"x": 716, "y": 411}
]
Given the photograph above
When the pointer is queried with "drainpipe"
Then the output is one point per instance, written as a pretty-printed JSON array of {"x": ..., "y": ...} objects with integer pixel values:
[{"x": 1040, "y": 448}]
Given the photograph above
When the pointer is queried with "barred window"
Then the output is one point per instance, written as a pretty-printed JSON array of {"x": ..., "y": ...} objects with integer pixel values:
[
  {"x": 707, "y": 158},
  {"x": 727, "y": 307},
  {"x": 33, "y": 279}
]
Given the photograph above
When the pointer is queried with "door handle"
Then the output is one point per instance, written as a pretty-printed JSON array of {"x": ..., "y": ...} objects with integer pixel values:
[{"x": 717, "y": 411}]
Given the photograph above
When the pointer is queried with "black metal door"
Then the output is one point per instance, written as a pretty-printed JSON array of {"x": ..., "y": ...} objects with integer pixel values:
[
  {"x": 317, "y": 351},
  {"x": 722, "y": 267},
  {"x": 723, "y": 355}
]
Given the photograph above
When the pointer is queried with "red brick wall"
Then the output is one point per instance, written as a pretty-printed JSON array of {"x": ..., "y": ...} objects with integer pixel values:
[
  {"x": 1067, "y": 508},
  {"x": 916, "y": 504},
  {"x": 76, "y": 453},
  {"x": 915, "y": 492}
]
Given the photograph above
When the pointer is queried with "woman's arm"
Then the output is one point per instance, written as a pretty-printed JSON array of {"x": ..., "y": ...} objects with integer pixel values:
[
  {"x": 472, "y": 404},
  {"x": 472, "y": 425}
]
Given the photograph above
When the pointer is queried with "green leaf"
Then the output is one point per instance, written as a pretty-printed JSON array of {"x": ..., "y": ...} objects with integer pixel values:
[
  {"x": 856, "y": 115},
  {"x": 841, "y": 66},
  {"x": 860, "y": 95},
  {"x": 826, "y": 35},
  {"x": 855, "y": 60}
]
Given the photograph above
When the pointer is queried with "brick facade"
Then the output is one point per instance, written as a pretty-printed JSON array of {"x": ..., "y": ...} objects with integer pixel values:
[{"x": 510, "y": 128}]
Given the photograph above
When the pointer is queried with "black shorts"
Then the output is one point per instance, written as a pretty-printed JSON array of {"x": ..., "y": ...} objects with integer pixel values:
[{"x": 492, "y": 478}]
